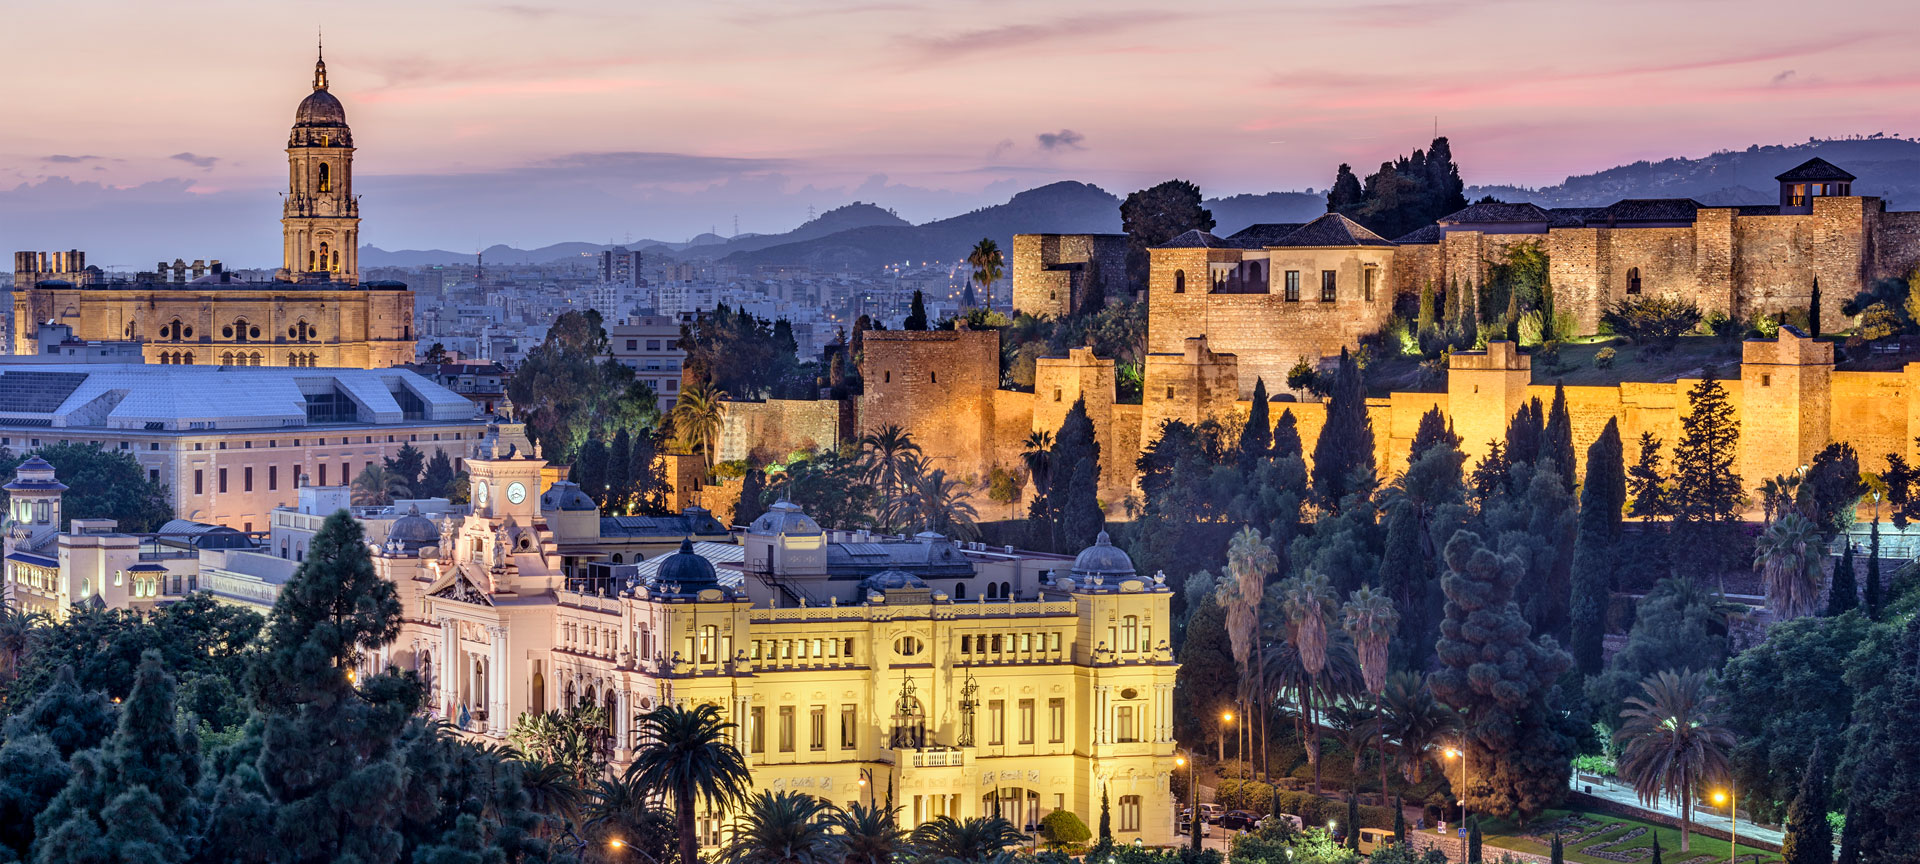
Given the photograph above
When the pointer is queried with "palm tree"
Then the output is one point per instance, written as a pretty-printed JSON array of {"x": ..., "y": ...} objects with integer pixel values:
[
  {"x": 1354, "y": 726},
  {"x": 1415, "y": 720},
  {"x": 1792, "y": 561},
  {"x": 1249, "y": 561},
  {"x": 698, "y": 414},
  {"x": 619, "y": 809},
  {"x": 1039, "y": 460},
  {"x": 783, "y": 828},
  {"x": 987, "y": 264},
  {"x": 869, "y": 834},
  {"x": 16, "y": 633},
  {"x": 888, "y": 448},
  {"x": 688, "y": 753},
  {"x": 1672, "y": 740},
  {"x": 551, "y": 790},
  {"x": 969, "y": 841},
  {"x": 1308, "y": 602},
  {"x": 1371, "y": 620},
  {"x": 940, "y": 504},
  {"x": 378, "y": 487}
]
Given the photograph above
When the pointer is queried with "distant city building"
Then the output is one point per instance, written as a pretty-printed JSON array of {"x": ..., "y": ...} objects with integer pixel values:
[
  {"x": 232, "y": 443},
  {"x": 620, "y": 267},
  {"x": 650, "y": 345}
]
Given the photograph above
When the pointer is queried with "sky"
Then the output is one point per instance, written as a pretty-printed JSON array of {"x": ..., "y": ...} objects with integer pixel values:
[{"x": 140, "y": 131}]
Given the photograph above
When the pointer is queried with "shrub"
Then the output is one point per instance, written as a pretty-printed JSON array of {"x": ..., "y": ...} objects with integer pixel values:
[
  {"x": 1603, "y": 359},
  {"x": 1593, "y": 764},
  {"x": 1063, "y": 828},
  {"x": 1548, "y": 355},
  {"x": 1254, "y": 796},
  {"x": 1654, "y": 320},
  {"x": 1878, "y": 322}
]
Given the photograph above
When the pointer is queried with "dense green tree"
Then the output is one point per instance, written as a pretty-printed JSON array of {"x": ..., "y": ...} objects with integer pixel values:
[
  {"x": 101, "y": 484},
  {"x": 1672, "y": 741},
  {"x": 734, "y": 352},
  {"x": 752, "y": 491},
  {"x": 1511, "y": 727},
  {"x": 1525, "y": 433},
  {"x": 1677, "y": 626},
  {"x": 1433, "y": 430},
  {"x": 1875, "y": 599},
  {"x": 1154, "y": 215},
  {"x": 1602, "y": 501},
  {"x": 1792, "y": 561},
  {"x": 1809, "y": 837},
  {"x": 1647, "y": 494},
  {"x": 1843, "y": 595},
  {"x": 619, "y": 472},
  {"x": 1256, "y": 440},
  {"x": 1286, "y": 437},
  {"x": 1556, "y": 438},
  {"x": 407, "y": 465},
  {"x": 916, "y": 316},
  {"x": 1080, "y": 516},
  {"x": 1556, "y": 854},
  {"x": 1707, "y": 492},
  {"x": 1345, "y": 192},
  {"x": 1207, "y": 666},
  {"x": 1473, "y": 839},
  {"x": 131, "y": 800},
  {"x": 32, "y": 772},
  {"x": 1405, "y": 576},
  {"x": 568, "y": 390},
  {"x": 1343, "y": 460},
  {"x": 1106, "y": 819},
  {"x": 686, "y": 754},
  {"x": 1783, "y": 698},
  {"x": 651, "y": 492},
  {"x": 437, "y": 478},
  {"x": 1833, "y": 488},
  {"x": 1404, "y": 195},
  {"x": 1849, "y": 838},
  {"x": 834, "y": 487},
  {"x": 1073, "y": 508},
  {"x": 1885, "y": 787}
]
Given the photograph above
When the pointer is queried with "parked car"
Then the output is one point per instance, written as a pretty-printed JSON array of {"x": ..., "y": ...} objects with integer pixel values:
[
  {"x": 1297, "y": 823},
  {"x": 1372, "y": 839},
  {"x": 1211, "y": 813},
  {"x": 1185, "y": 827},
  {"x": 1237, "y": 820}
]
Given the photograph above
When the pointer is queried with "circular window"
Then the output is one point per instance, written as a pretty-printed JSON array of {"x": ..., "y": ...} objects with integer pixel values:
[
  {"x": 189, "y": 332},
  {"x": 908, "y": 646},
  {"x": 253, "y": 332},
  {"x": 227, "y": 331},
  {"x": 646, "y": 702},
  {"x": 1129, "y": 693},
  {"x": 293, "y": 332}
]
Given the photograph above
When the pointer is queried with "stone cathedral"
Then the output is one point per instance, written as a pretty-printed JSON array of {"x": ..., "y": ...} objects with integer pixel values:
[{"x": 315, "y": 311}]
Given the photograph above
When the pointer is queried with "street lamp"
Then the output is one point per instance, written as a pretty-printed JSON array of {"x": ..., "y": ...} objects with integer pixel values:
[
  {"x": 1193, "y": 791},
  {"x": 1226, "y": 719},
  {"x": 866, "y": 782},
  {"x": 1732, "y": 800},
  {"x": 1461, "y": 755}
]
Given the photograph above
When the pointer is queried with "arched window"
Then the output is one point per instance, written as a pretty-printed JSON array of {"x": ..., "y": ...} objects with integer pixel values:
[
  {"x": 993, "y": 591},
  {"x": 1633, "y": 280},
  {"x": 1006, "y": 590},
  {"x": 187, "y": 359},
  {"x": 539, "y": 693},
  {"x": 1179, "y": 281},
  {"x": 323, "y": 255},
  {"x": 326, "y": 178},
  {"x": 336, "y": 261},
  {"x": 226, "y": 358},
  {"x": 959, "y": 590}
]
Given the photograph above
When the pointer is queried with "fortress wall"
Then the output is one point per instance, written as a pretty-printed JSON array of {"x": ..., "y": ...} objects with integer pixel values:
[
  {"x": 1664, "y": 256},
  {"x": 1896, "y": 247},
  {"x": 767, "y": 431},
  {"x": 1176, "y": 316},
  {"x": 1415, "y": 266},
  {"x": 939, "y": 386},
  {"x": 1779, "y": 257},
  {"x": 1870, "y": 413},
  {"x": 1012, "y": 420},
  {"x": 1581, "y": 273}
]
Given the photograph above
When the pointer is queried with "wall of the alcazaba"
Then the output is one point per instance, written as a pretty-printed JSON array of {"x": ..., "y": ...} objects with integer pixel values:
[
  {"x": 1267, "y": 332},
  {"x": 765, "y": 431},
  {"x": 1870, "y": 412},
  {"x": 1175, "y": 316},
  {"x": 1896, "y": 244},
  {"x": 1188, "y": 384},
  {"x": 1778, "y": 258},
  {"x": 939, "y": 386},
  {"x": 1039, "y": 291}
]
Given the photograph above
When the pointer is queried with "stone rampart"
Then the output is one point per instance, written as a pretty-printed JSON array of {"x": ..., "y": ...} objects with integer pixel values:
[{"x": 766, "y": 431}]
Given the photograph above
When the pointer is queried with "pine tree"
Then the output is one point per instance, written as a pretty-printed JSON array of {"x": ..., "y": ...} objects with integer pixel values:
[
  {"x": 72, "y": 719},
  {"x": 1557, "y": 438},
  {"x": 917, "y": 315},
  {"x": 619, "y": 472},
  {"x": 1106, "y": 819},
  {"x": 1074, "y": 488},
  {"x": 590, "y": 470},
  {"x": 1511, "y": 725},
  {"x": 1706, "y": 488},
  {"x": 1844, "y": 595},
  {"x": 1646, "y": 487},
  {"x": 1286, "y": 437},
  {"x": 1256, "y": 438},
  {"x": 1809, "y": 838},
  {"x": 437, "y": 477},
  {"x": 407, "y": 465},
  {"x": 1343, "y": 457},
  {"x": 1594, "y": 550}
]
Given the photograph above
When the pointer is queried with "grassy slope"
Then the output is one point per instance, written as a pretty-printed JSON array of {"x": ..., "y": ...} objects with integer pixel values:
[{"x": 1496, "y": 832}]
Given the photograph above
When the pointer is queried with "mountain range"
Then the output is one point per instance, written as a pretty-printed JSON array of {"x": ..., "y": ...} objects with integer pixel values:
[{"x": 863, "y": 236}]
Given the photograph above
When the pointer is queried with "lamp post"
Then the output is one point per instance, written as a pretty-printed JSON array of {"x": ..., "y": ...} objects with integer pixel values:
[
  {"x": 866, "y": 782},
  {"x": 1731, "y": 798},
  {"x": 1461, "y": 754},
  {"x": 1226, "y": 719},
  {"x": 1193, "y": 792}
]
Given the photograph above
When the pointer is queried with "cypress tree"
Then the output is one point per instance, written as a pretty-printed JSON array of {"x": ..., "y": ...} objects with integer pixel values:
[
  {"x": 1286, "y": 437},
  {"x": 1399, "y": 819},
  {"x": 1849, "y": 837},
  {"x": 1524, "y": 434},
  {"x": 1353, "y": 819},
  {"x": 1656, "y": 849},
  {"x": 1813, "y": 309},
  {"x": 1106, "y": 819},
  {"x": 1256, "y": 439},
  {"x": 1844, "y": 595},
  {"x": 1404, "y": 578},
  {"x": 1343, "y": 457},
  {"x": 1473, "y": 839},
  {"x": 438, "y": 476},
  {"x": 1888, "y": 743},
  {"x": 1809, "y": 839},
  {"x": 752, "y": 493},
  {"x": 590, "y": 470},
  {"x": 1601, "y": 500},
  {"x": 1424, "y": 324},
  {"x": 1070, "y": 489},
  {"x": 917, "y": 315},
  {"x": 1557, "y": 438},
  {"x": 1081, "y": 518},
  {"x": 1432, "y": 430},
  {"x": 1556, "y": 855},
  {"x": 620, "y": 472},
  {"x": 1874, "y": 598}
]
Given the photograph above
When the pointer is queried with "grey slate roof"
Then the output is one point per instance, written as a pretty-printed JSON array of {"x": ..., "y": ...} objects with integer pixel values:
[
  {"x": 1648, "y": 210},
  {"x": 1262, "y": 235},
  {"x": 1333, "y": 229},
  {"x": 693, "y": 523},
  {"x": 1815, "y": 170},
  {"x": 1418, "y": 236},
  {"x": 1496, "y": 212},
  {"x": 1194, "y": 239}
]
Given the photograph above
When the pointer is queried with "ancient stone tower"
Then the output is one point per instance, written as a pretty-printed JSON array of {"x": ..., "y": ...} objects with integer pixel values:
[
  {"x": 1786, "y": 402},
  {"x": 1484, "y": 389},
  {"x": 320, "y": 218}
]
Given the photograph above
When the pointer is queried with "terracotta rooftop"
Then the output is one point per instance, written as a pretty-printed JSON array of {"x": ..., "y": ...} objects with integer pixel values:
[{"x": 1333, "y": 229}]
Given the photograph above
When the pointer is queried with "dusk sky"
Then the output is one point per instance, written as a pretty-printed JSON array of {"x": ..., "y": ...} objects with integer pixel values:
[{"x": 141, "y": 130}]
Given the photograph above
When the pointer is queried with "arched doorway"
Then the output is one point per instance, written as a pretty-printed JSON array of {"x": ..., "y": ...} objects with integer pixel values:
[
  {"x": 1016, "y": 804},
  {"x": 539, "y": 693}
]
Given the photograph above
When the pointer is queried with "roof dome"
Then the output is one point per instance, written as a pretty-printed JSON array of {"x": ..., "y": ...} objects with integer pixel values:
[
  {"x": 891, "y": 580},
  {"x": 566, "y": 495},
  {"x": 320, "y": 109},
  {"x": 34, "y": 475},
  {"x": 1103, "y": 560},
  {"x": 687, "y": 570},
  {"x": 414, "y": 531},
  {"x": 785, "y": 519}
]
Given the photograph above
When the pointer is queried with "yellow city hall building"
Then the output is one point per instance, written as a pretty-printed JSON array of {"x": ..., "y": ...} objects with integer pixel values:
[{"x": 959, "y": 679}]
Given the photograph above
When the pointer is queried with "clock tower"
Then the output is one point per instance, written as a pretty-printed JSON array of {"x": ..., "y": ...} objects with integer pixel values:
[
  {"x": 503, "y": 477},
  {"x": 320, "y": 215}
]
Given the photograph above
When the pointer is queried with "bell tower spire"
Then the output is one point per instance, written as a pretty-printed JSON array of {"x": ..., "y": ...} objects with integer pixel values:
[
  {"x": 320, "y": 216},
  {"x": 320, "y": 62}
]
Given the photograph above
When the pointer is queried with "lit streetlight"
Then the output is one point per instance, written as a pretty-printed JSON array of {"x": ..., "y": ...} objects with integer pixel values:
[
  {"x": 1732, "y": 800},
  {"x": 1226, "y": 719},
  {"x": 1193, "y": 792},
  {"x": 1461, "y": 755}
]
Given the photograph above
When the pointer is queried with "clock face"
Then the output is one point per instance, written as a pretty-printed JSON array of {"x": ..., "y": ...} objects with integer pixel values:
[
  {"x": 480, "y": 494},
  {"x": 516, "y": 493}
]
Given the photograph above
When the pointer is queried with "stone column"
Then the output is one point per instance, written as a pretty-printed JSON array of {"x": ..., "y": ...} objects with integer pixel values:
[
  {"x": 448, "y": 670},
  {"x": 497, "y": 720}
]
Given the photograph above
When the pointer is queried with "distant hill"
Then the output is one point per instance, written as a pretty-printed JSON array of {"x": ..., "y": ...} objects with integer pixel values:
[
  {"x": 1887, "y": 167},
  {"x": 1066, "y": 207},
  {"x": 499, "y": 253},
  {"x": 1235, "y": 212}
]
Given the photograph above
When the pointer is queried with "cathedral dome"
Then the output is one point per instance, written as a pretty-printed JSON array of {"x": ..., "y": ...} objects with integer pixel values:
[
  {"x": 413, "y": 530},
  {"x": 1102, "y": 559},
  {"x": 320, "y": 109}
]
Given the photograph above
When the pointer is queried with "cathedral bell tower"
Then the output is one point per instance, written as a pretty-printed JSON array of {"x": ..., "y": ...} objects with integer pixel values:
[{"x": 320, "y": 217}]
